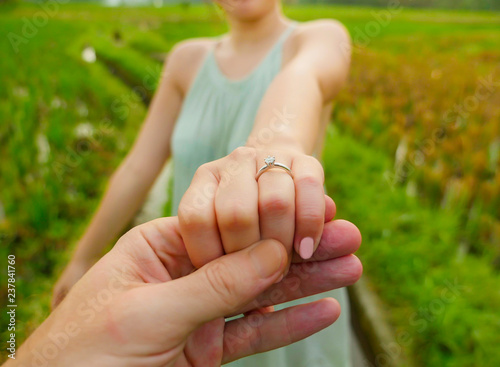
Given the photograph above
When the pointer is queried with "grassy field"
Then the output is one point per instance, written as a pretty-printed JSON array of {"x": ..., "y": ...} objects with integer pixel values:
[{"x": 413, "y": 160}]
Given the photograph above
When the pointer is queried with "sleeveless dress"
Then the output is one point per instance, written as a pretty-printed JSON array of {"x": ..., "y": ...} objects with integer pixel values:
[{"x": 217, "y": 116}]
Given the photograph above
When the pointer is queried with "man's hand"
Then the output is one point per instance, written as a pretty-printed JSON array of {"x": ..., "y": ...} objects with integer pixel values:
[{"x": 143, "y": 304}]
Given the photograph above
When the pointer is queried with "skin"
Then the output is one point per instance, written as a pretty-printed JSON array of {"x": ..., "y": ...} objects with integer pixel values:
[
  {"x": 159, "y": 311},
  {"x": 240, "y": 210}
]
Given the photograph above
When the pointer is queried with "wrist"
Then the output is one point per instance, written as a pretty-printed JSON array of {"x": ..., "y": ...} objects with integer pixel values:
[
  {"x": 84, "y": 254},
  {"x": 288, "y": 146},
  {"x": 82, "y": 260}
]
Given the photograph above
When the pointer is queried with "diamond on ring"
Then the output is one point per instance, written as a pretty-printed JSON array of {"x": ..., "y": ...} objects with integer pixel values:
[{"x": 270, "y": 162}]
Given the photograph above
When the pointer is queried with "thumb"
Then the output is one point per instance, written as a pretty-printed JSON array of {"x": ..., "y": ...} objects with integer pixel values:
[{"x": 223, "y": 286}]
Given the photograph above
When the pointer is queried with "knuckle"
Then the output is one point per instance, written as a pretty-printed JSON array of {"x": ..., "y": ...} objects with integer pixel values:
[
  {"x": 243, "y": 152},
  {"x": 312, "y": 215},
  {"x": 205, "y": 167},
  {"x": 309, "y": 180},
  {"x": 190, "y": 218},
  {"x": 311, "y": 170},
  {"x": 314, "y": 163},
  {"x": 235, "y": 216},
  {"x": 203, "y": 170},
  {"x": 222, "y": 283},
  {"x": 276, "y": 204},
  {"x": 132, "y": 234}
]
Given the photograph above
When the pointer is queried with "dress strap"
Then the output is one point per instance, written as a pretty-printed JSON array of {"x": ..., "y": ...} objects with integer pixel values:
[{"x": 284, "y": 36}]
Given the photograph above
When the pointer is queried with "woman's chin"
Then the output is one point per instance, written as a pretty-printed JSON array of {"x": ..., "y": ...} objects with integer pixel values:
[{"x": 247, "y": 10}]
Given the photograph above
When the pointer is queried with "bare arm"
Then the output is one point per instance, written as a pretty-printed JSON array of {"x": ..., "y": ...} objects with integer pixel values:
[
  {"x": 131, "y": 182},
  {"x": 292, "y": 111},
  {"x": 308, "y": 82}
]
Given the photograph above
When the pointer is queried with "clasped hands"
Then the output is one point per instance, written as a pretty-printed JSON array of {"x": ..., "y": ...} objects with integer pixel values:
[{"x": 161, "y": 295}]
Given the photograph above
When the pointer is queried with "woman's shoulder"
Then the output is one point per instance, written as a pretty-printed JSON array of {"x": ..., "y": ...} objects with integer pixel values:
[
  {"x": 321, "y": 27},
  {"x": 190, "y": 50},
  {"x": 186, "y": 57},
  {"x": 317, "y": 34}
]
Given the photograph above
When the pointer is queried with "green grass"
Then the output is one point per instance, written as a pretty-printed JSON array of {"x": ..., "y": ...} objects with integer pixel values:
[
  {"x": 412, "y": 249},
  {"x": 410, "y": 254},
  {"x": 46, "y": 93}
]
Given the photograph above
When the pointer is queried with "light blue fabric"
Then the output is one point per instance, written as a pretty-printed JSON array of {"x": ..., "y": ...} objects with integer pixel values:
[{"x": 217, "y": 116}]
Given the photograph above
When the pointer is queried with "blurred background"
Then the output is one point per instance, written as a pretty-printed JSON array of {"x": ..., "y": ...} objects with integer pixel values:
[{"x": 412, "y": 155}]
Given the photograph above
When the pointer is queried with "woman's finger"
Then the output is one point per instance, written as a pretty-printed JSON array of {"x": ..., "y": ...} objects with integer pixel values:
[
  {"x": 58, "y": 297},
  {"x": 277, "y": 206},
  {"x": 339, "y": 238},
  {"x": 197, "y": 218},
  {"x": 262, "y": 332},
  {"x": 236, "y": 203},
  {"x": 309, "y": 204}
]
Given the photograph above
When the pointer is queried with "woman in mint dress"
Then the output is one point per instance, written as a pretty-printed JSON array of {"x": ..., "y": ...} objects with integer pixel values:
[{"x": 223, "y": 106}]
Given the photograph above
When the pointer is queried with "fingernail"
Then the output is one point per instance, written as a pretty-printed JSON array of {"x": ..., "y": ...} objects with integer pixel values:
[
  {"x": 306, "y": 248},
  {"x": 267, "y": 258}
]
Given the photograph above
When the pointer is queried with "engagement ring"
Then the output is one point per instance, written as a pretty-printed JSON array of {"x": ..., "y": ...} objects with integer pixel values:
[{"x": 271, "y": 163}]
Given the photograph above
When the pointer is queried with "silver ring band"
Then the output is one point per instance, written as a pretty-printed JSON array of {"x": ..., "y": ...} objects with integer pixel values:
[{"x": 271, "y": 163}]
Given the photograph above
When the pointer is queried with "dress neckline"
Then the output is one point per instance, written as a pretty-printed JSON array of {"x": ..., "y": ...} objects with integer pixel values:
[{"x": 283, "y": 36}]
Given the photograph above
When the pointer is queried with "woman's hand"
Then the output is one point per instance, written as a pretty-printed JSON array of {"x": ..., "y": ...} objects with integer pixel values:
[
  {"x": 143, "y": 304},
  {"x": 226, "y": 209},
  {"x": 71, "y": 274}
]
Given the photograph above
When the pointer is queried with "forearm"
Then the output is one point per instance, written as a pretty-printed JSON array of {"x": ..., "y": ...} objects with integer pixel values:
[
  {"x": 293, "y": 111},
  {"x": 125, "y": 194},
  {"x": 289, "y": 117}
]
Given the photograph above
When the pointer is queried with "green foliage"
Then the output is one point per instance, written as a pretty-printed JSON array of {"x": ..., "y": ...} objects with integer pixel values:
[
  {"x": 442, "y": 4},
  {"x": 51, "y": 178},
  {"x": 52, "y": 175},
  {"x": 445, "y": 300}
]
